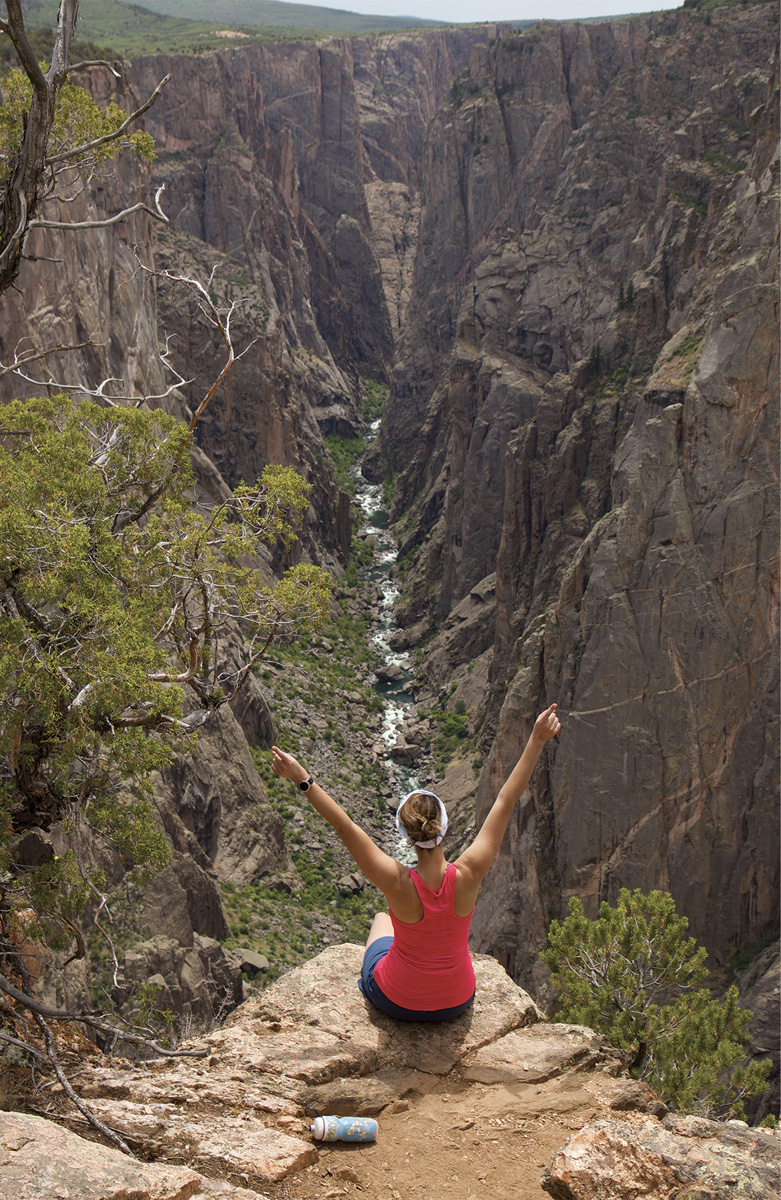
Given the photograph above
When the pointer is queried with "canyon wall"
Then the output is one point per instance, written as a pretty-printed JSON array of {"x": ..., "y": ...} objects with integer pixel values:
[
  {"x": 560, "y": 249},
  {"x": 269, "y": 177},
  {"x": 586, "y": 397}
]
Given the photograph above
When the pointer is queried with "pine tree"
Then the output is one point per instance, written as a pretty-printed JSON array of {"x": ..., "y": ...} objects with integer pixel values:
[{"x": 634, "y": 976}]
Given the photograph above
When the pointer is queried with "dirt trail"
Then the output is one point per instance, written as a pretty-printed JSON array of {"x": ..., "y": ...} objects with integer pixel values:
[{"x": 458, "y": 1142}]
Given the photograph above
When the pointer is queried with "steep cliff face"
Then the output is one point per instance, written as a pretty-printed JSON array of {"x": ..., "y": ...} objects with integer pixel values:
[
  {"x": 589, "y": 395},
  {"x": 285, "y": 158},
  {"x": 560, "y": 246}
]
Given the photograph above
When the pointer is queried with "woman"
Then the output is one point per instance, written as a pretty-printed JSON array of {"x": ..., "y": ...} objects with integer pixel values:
[{"x": 417, "y": 965}]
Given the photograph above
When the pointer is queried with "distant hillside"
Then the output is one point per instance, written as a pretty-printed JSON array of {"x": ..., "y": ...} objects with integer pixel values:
[
  {"x": 278, "y": 15},
  {"x": 168, "y": 26}
]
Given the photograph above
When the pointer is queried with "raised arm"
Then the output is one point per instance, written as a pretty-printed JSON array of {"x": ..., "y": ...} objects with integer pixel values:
[
  {"x": 382, "y": 870},
  {"x": 475, "y": 862}
]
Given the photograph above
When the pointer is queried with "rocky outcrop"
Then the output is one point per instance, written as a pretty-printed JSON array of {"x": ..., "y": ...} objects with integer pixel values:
[
  {"x": 684, "y": 1156},
  {"x": 760, "y": 993},
  {"x": 233, "y": 1122}
]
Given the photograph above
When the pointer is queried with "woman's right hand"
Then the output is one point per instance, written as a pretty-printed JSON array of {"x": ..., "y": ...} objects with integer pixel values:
[
  {"x": 287, "y": 767},
  {"x": 546, "y": 726}
]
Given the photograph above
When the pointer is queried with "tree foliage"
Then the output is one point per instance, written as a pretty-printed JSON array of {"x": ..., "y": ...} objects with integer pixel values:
[
  {"x": 82, "y": 134},
  {"x": 120, "y": 599},
  {"x": 51, "y": 133},
  {"x": 634, "y": 975}
]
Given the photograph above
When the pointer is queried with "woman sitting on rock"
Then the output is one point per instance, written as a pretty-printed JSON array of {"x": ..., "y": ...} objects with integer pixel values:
[{"x": 417, "y": 965}]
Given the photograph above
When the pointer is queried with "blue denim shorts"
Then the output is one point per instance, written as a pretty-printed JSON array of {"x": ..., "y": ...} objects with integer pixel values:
[{"x": 374, "y": 994}]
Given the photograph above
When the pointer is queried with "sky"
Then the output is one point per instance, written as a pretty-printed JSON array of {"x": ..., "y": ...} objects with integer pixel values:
[{"x": 498, "y": 10}]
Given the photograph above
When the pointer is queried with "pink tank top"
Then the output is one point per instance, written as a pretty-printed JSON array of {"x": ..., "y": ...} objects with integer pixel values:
[{"x": 428, "y": 967}]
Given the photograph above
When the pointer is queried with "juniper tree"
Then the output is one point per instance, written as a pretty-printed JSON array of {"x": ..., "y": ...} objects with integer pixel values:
[
  {"x": 119, "y": 595},
  {"x": 634, "y": 976}
]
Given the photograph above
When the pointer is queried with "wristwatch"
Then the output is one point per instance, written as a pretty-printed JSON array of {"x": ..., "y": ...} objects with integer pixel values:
[{"x": 306, "y": 784}]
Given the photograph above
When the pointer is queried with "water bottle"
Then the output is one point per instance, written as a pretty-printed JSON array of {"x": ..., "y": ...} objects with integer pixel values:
[{"x": 344, "y": 1129}]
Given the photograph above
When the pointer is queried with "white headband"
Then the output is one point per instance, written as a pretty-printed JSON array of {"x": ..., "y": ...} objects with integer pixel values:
[{"x": 442, "y": 814}]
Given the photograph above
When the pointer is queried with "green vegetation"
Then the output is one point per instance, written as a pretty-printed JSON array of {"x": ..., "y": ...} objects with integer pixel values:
[
  {"x": 195, "y": 26},
  {"x": 77, "y": 122},
  {"x": 723, "y": 164},
  {"x": 452, "y": 734},
  {"x": 633, "y": 975},
  {"x": 115, "y": 590},
  {"x": 699, "y": 206},
  {"x": 688, "y": 346},
  {"x": 389, "y": 489},
  {"x": 709, "y": 6},
  {"x": 281, "y": 15},
  {"x": 744, "y": 958},
  {"x": 375, "y": 396},
  {"x": 41, "y": 40},
  {"x": 316, "y": 683},
  {"x": 344, "y": 453},
  {"x": 289, "y": 927}
]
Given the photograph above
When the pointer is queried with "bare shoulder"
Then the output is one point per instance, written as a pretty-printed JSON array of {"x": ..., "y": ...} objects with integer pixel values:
[{"x": 467, "y": 886}]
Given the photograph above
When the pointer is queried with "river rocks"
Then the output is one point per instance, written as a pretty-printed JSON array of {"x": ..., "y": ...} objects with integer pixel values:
[
  {"x": 407, "y": 753},
  {"x": 682, "y": 1156},
  {"x": 392, "y": 673}
]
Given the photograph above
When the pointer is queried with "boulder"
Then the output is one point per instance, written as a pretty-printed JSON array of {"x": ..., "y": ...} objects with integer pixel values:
[
  {"x": 392, "y": 673},
  {"x": 407, "y": 754},
  {"x": 39, "y": 1159},
  {"x": 681, "y": 1156},
  {"x": 250, "y": 961}
]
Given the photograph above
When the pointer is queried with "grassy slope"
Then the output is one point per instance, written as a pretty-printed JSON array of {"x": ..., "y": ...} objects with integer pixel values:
[
  {"x": 280, "y": 15},
  {"x": 131, "y": 30}
]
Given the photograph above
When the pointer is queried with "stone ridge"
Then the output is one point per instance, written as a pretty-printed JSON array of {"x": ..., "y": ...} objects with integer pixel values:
[
  {"x": 310, "y": 1039},
  {"x": 233, "y": 1123}
]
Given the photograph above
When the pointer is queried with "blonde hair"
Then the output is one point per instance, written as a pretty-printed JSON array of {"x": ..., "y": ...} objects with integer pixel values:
[{"x": 420, "y": 817}]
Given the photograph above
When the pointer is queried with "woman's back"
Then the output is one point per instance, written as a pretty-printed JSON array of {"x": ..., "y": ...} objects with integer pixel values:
[{"x": 429, "y": 958}]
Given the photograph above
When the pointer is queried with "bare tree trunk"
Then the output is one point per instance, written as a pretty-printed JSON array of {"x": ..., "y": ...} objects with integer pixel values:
[{"x": 26, "y": 182}]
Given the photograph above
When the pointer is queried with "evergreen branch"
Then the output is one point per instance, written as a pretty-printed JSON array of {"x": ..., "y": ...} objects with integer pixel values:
[{"x": 87, "y": 147}]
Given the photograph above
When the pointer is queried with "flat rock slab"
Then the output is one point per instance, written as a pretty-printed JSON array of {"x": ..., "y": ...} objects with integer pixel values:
[
  {"x": 324, "y": 994},
  {"x": 681, "y": 1156},
  {"x": 367, "y": 1095},
  {"x": 42, "y": 1161},
  {"x": 240, "y": 1145},
  {"x": 535, "y": 1054}
]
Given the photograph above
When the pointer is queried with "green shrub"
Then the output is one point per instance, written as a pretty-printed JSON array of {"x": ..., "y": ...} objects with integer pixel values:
[{"x": 634, "y": 976}]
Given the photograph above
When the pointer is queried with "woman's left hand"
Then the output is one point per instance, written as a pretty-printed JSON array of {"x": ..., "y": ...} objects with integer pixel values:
[{"x": 287, "y": 767}]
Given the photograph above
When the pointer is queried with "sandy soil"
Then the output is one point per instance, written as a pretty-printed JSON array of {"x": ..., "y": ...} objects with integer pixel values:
[{"x": 459, "y": 1142}]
